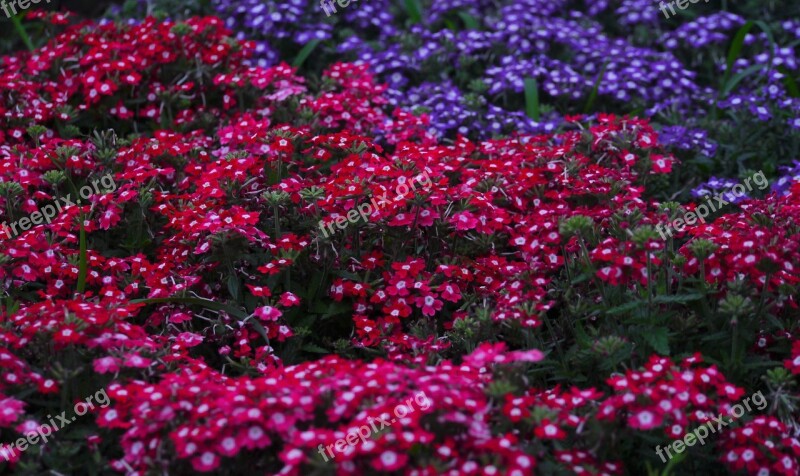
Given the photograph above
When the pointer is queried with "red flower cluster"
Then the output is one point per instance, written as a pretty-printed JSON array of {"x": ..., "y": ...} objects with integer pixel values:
[
  {"x": 674, "y": 397},
  {"x": 762, "y": 446},
  {"x": 207, "y": 417}
]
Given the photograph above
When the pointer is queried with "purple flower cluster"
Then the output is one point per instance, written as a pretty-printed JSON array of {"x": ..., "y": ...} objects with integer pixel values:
[
  {"x": 684, "y": 138},
  {"x": 637, "y": 12},
  {"x": 281, "y": 19},
  {"x": 555, "y": 77},
  {"x": 673, "y": 71},
  {"x": 719, "y": 186},
  {"x": 704, "y": 31},
  {"x": 450, "y": 109}
]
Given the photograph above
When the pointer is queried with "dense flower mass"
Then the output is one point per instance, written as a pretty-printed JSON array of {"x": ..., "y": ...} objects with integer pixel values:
[
  {"x": 290, "y": 255},
  {"x": 470, "y": 60}
]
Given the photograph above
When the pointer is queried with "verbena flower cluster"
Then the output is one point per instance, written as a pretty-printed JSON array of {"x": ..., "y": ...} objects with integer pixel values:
[{"x": 526, "y": 292}]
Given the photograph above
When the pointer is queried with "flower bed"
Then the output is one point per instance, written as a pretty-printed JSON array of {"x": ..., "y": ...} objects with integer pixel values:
[{"x": 524, "y": 289}]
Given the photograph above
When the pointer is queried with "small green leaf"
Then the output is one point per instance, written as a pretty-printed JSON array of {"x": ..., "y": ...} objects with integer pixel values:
[
  {"x": 532, "y": 99},
  {"x": 680, "y": 298},
  {"x": 580, "y": 335},
  {"x": 234, "y": 286},
  {"x": 768, "y": 31},
  {"x": 658, "y": 338},
  {"x": 305, "y": 52},
  {"x": 789, "y": 82},
  {"x": 593, "y": 96},
  {"x": 737, "y": 44},
  {"x": 469, "y": 21},
  {"x": 314, "y": 288},
  {"x": 628, "y": 306},
  {"x": 21, "y": 31},
  {"x": 413, "y": 10},
  {"x": 315, "y": 349},
  {"x": 731, "y": 83}
]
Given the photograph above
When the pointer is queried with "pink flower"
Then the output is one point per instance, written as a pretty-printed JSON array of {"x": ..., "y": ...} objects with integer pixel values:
[
  {"x": 267, "y": 313},
  {"x": 532, "y": 355},
  {"x": 106, "y": 365},
  {"x": 10, "y": 411},
  {"x": 288, "y": 299},
  {"x": 189, "y": 339},
  {"x": 464, "y": 221}
]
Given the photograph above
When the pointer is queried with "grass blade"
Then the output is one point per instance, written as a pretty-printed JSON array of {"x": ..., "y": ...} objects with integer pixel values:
[
  {"x": 789, "y": 82},
  {"x": 736, "y": 46},
  {"x": 532, "y": 109},
  {"x": 21, "y": 32},
  {"x": 731, "y": 83},
  {"x": 768, "y": 31},
  {"x": 593, "y": 96},
  {"x": 414, "y": 10},
  {"x": 469, "y": 21},
  {"x": 734, "y": 52},
  {"x": 305, "y": 52}
]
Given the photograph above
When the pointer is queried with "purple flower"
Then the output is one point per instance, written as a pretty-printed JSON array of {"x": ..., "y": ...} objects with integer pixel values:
[
  {"x": 719, "y": 186},
  {"x": 683, "y": 138},
  {"x": 789, "y": 175}
]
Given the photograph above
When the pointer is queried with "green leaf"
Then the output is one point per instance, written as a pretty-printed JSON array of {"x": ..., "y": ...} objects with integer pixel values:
[
  {"x": 580, "y": 335},
  {"x": 314, "y": 288},
  {"x": 260, "y": 329},
  {"x": 21, "y": 31},
  {"x": 679, "y": 298},
  {"x": 735, "y": 51},
  {"x": 583, "y": 277},
  {"x": 469, "y": 21},
  {"x": 636, "y": 112},
  {"x": 768, "y": 31},
  {"x": 413, "y": 10},
  {"x": 679, "y": 457},
  {"x": 593, "y": 96},
  {"x": 731, "y": 83},
  {"x": 658, "y": 338},
  {"x": 628, "y": 306},
  {"x": 532, "y": 99},
  {"x": 305, "y": 52},
  {"x": 789, "y": 82},
  {"x": 330, "y": 309},
  {"x": 737, "y": 44},
  {"x": 315, "y": 349},
  {"x": 234, "y": 286}
]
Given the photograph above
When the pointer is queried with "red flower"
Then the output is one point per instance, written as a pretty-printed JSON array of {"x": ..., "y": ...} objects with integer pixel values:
[{"x": 267, "y": 313}]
